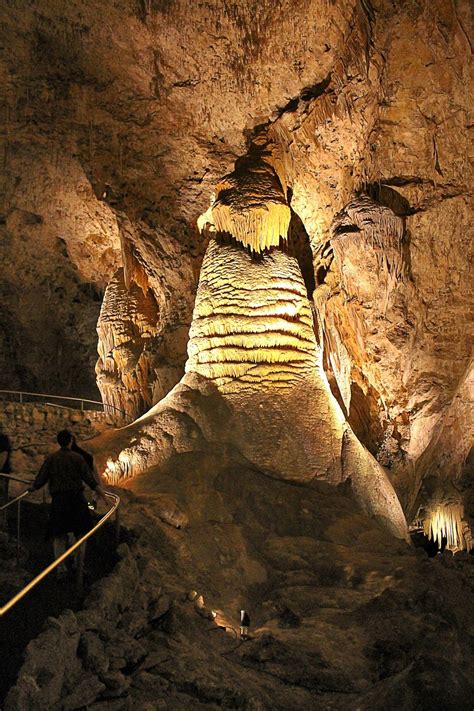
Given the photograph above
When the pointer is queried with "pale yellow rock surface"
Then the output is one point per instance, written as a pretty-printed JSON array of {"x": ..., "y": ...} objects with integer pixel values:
[{"x": 252, "y": 344}]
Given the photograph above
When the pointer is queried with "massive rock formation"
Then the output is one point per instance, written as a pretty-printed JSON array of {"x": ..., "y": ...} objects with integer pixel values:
[
  {"x": 252, "y": 340},
  {"x": 118, "y": 122},
  {"x": 343, "y": 356}
]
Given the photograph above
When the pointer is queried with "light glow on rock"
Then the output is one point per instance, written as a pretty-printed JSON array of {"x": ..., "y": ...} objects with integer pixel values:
[{"x": 252, "y": 321}]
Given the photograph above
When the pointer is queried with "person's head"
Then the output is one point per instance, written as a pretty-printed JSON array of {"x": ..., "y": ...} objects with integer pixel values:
[{"x": 64, "y": 439}]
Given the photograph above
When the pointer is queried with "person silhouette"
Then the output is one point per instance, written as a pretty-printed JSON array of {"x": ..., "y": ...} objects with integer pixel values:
[{"x": 66, "y": 472}]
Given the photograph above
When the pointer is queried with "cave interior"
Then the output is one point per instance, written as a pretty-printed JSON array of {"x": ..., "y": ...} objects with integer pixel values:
[{"x": 242, "y": 233}]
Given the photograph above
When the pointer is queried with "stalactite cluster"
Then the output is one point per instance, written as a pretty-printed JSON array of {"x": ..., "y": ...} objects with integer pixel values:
[
  {"x": 250, "y": 203},
  {"x": 445, "y": 520}
]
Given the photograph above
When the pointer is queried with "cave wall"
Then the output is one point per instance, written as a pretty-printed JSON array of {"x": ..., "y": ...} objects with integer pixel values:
[
  {"x": 58, "y": 245},
  {"x": 129, "y": 106},
  {"x": 117, "y": 121}
]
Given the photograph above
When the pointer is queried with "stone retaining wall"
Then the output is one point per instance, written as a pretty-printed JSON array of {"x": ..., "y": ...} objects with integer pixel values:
[{"x": 32, "y": 429}]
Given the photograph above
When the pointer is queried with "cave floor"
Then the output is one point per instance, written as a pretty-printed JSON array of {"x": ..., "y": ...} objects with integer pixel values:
[{"x": 343, "y": 615}]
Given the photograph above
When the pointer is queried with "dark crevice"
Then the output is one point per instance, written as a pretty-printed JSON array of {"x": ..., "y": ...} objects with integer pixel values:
[
  {"x": 308, "y": 93},
  {"x": 322, "y": 262},
  {"x": 345, "y": 229},
  {"x": 321, "y": 275},
  {"x": 405, "y": 180},
  {"x": 290, "y": 107},
  {"x": 390, "y": 198},
  {"x": 312, "y": 92},
  {"x": 299, "y": 247}
]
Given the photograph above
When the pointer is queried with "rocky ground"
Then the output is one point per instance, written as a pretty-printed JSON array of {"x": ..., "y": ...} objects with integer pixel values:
[
  {"x": 21, "y": 564},
  {"x": 343, "y": 616}
]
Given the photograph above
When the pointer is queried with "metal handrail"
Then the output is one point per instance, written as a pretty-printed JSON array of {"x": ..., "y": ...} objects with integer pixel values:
[
  {"x": 15, "y": 478},
  {"x": 17, "y": 498},
  {"x": 21, "y": 594},
  {"x": 82, "y": 400}
]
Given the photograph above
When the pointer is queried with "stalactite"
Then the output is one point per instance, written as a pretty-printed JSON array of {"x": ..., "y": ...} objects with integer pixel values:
[
  {"x": 250, "y": 203},
  {"x": 445, "y": 520},
  {"x": 259, "y": 228},
  {"x": 381, "y": 228}
]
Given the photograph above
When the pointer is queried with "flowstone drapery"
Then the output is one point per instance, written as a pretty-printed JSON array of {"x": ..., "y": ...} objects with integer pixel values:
[{"x": 254, "y": 383}]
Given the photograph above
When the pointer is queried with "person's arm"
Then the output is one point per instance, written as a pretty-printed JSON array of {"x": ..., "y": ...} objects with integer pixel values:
[
  {"x": 88, "y": 478},
  {"x": 42, "y": 476}
]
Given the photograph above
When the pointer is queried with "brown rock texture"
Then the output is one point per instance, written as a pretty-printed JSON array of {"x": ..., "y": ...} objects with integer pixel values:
[
  {"x": 118, "y": 122},
  {"x": 140, "y": 346},
  {"x": 133, "y": 104}
]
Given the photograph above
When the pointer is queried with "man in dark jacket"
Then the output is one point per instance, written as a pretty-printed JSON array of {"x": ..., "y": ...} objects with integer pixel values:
[
  {"x": 87, "y": 457},
  {"x": 66, "y": 472}
]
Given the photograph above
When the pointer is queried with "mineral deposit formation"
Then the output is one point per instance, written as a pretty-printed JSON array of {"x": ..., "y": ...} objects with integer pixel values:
[{"x": 253, "y": 351}]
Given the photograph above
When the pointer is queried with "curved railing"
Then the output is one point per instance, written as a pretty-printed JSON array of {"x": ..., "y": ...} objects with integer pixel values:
[
  {"x": 21, "y": 594},
  {"x": 44, "y": 397}
]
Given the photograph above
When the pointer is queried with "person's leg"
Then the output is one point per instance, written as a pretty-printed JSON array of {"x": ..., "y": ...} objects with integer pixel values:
[
  {"x": 82, "y": 524},
  {"x": 59, "y": 546},
  {"x": 79, "y": 554},
  {"x": 79, "y": 563}
]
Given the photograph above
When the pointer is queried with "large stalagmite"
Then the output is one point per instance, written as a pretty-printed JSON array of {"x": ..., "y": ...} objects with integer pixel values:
[{"x": 253, "y": 352}]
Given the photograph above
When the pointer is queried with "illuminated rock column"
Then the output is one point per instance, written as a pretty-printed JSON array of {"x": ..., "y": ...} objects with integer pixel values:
[
  {"x": 252, "y": 343},
  {"x": 252, "y": 323}
]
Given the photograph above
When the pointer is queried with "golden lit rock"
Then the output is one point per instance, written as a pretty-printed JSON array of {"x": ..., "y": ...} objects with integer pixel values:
[
  {"x": 250, "y": 203},
  {"x": 252, "y": 323},
  {"x": 252, "y": 342},
  {"x": 444, "y": 523},
  {"x": 328, "y": 383}
]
